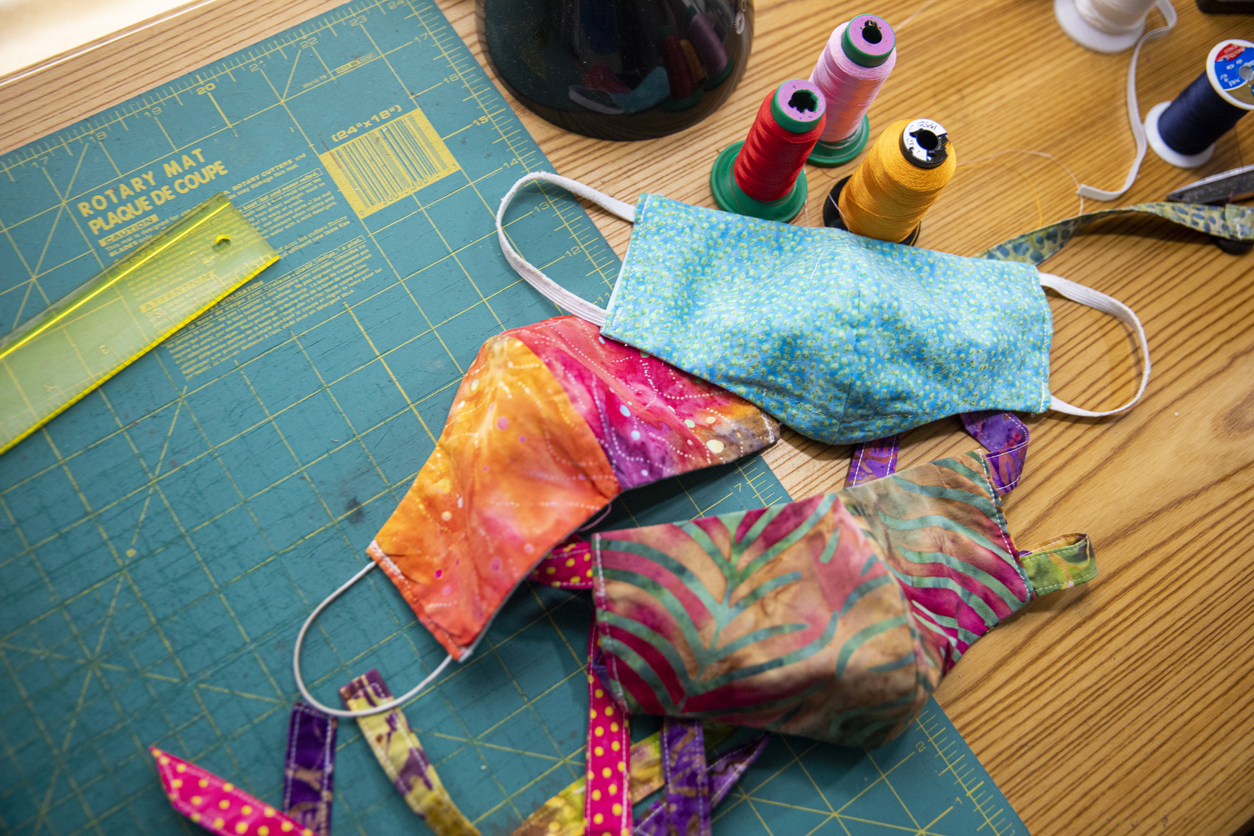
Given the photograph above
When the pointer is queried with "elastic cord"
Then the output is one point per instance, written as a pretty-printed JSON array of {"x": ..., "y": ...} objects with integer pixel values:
[
  {"x": 590, "y": 524},
  {"x": 550, "y": 289},
  {"x": 339, "y": 712},
  {"x": 1106, "y": 304},
  {"x": 1134, "y": 113}
]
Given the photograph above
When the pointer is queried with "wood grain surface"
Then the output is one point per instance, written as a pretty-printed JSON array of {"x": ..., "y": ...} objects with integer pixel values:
[{"x": 1119, "y": 707}]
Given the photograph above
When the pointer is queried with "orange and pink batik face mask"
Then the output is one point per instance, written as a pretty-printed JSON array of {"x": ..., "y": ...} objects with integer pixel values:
[{"x": 550, "y": 423}]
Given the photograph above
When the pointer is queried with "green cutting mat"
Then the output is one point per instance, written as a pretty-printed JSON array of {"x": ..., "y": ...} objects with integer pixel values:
[{"x": 162, "y": 540}]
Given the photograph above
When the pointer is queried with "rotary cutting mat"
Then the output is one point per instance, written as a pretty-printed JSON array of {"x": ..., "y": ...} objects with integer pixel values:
[{"x": 161, "y": 541}]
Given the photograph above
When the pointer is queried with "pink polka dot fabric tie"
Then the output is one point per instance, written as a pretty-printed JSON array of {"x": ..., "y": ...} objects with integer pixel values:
[
  {"x": 607, "y": 799},
  {"x": 219, "y": 806},
  {"x": 567, "y": 566},
  {"x": 692, "y": 787}
]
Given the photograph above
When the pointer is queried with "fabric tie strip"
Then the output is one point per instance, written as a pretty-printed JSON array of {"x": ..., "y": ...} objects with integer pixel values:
[
  {"x": 607, "y": 793},
  {"x": 613, "y": 777},
  {"x": 1003, "y": 435},
  {"x": 219, "y": 806},
  {"x": 223, "y": 808},
  {"x": 720, "y": 777},
  {"x": 310, "y": 767},
  {"x": 687, "y": 802},
  {"x": 401, "y": 755},
  {"x": 1231, "y": 221},
  {"x": 564, "y": 813}
]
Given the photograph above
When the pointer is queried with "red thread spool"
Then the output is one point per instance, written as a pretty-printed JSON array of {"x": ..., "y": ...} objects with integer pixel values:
[{"x": 764, "y": 176}]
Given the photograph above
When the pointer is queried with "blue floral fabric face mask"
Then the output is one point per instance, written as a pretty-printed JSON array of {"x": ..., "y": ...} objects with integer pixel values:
[{"x": 841, "y": 337}]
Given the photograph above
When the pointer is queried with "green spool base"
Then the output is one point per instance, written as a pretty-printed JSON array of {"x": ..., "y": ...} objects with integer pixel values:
[
  {"x": 832, "y": 218},
  {"x": 830, "y": 154},
  {"x": 730, "y": 198}
]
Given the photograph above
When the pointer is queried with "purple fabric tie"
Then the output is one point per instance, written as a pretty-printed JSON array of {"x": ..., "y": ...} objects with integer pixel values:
[
  {"x": 308, "y": 772},
  {"x": 1001, "y": 433},
  {"x": 721, "y": 776},
  {"x": 1006, "y": 439},
  {"x": 687, "y": 785},
  {"x": 873, "y": 460}
]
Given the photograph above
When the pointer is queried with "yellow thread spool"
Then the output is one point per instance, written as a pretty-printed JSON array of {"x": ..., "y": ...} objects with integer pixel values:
[{"x": 898, "y": 181}]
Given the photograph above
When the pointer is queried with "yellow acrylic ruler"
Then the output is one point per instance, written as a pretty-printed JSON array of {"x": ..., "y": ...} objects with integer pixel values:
[{"x": 91, "y": 334}]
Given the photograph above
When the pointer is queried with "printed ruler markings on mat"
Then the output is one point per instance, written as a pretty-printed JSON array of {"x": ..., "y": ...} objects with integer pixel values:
[
  {"x": 163, "y": 539},
  {"x": 968, "y": 774},
  {"x": 902, "y": 788}
]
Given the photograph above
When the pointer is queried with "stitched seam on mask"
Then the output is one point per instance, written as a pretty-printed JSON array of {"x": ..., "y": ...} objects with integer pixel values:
[
  {"x": 598, "y": 625},
  {"x": 597, "y": 406},
  {"x": 607, "y": 429},
  {"x": 1043, "y": 300},
  {"x": 916, "y": 641},
  {"x": 483, "y": 631},
  {"x": 384, "y": 562},
  {"x": 844, "y": 407},
  {"x": 1005, "y": 533},
  {"x": 610, "y": 310},
  {"x": 770, "y": 431}
]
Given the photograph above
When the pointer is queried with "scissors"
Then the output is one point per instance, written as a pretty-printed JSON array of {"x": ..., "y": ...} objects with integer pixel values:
[
  {"x": 1228, "y": 187},
  {"x": 1218, "y": 189}
]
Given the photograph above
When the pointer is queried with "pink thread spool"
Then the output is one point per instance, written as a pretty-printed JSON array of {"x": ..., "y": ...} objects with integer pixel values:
[{"x": 853, "y": 67}]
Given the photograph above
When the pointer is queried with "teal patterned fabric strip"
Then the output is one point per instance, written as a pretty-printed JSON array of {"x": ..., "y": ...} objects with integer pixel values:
[{"x": 1230, "y": 221}]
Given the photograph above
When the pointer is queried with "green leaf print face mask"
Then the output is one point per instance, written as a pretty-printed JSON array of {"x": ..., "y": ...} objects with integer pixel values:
[
  {"x": 843, "y": 338},
  {"x": 832, "y": 617}
]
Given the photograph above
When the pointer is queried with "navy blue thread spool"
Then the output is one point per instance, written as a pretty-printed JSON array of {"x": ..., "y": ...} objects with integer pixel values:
[{"x": 1183, "y": 132}]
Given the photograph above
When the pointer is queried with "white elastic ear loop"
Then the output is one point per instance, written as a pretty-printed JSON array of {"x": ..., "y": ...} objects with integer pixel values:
[
  {"x": 361, "y": 712},
  {"x": 1106, "y": 304},
  {"x": 550, "y": 289},
  {"x": 1134, "y": 111}
]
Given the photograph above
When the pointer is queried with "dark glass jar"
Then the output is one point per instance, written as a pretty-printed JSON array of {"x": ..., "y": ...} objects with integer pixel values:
[{"x": 618, "y": 69}]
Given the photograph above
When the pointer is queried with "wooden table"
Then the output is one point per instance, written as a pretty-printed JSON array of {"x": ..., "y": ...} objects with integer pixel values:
[{"x": 1119, "y": 707}]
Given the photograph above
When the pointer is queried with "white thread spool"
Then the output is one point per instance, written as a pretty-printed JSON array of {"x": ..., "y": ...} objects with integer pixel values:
[{"x": 1103, "y": 25}]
